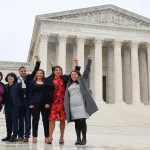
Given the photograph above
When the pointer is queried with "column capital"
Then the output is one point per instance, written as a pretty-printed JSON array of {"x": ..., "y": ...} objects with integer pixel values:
[
  {"x": 110, "y": 46},
  {"x": 98, "y": 41},
  {"x": 135, "y": 43},
  {"x": 117, "y": 42},
  {"x": 148, "y": 45},
  {"x": 62, "y": 38},
  {"x": 80, "y": 39},
  {"x": 44, "y": 37}
]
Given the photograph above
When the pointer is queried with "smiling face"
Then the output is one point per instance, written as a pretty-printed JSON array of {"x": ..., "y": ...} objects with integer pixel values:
[
  {"x": 74, "y": 76},
  {"x": 39, "y": 75},
  {"x": 23, "y": 72},
  {"x": 10, "y": 79},
  {"x": 58, "y": 72}
]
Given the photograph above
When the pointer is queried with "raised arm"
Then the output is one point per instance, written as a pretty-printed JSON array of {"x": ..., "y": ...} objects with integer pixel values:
[
  {"x": 36, "y": 68},
  {"x": 87, "y": 70},
  {"x": 77, "y": 67},
  {"x": 52, "y": 67}
]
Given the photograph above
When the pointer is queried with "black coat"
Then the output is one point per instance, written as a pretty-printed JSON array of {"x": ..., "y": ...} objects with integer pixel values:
[
  {"x": 28, "y": 78},
  {"x": 49, "y": 88},
  {"x": 35, "y": 93},
  {"x": 16, "y": 93}
]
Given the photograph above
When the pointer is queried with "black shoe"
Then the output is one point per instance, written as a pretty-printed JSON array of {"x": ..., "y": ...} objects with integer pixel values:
[
  {"x": 83, "y": 142},
  {"x": 6, "y": 139},
  {"x": 13, "y": 139},
  {"x": 20, "y": 139},
  {"x": 78, "y": 142}
]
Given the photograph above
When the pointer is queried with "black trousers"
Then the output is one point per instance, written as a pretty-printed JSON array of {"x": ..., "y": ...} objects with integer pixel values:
[
  {"x": 38, "y": 107},
  {"x": 11, "y": 116}
]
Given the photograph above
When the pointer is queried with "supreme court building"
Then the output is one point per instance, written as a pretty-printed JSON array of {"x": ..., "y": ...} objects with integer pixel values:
[{"x": 117, "y": 39}]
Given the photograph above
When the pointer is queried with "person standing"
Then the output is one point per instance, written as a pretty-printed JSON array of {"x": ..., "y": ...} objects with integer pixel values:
[
  {"x": 54, "y": 90},
  {"x": 79, "y": 104},
  {"x": 37, "y": 105},
  {"x": 1, "y": 91},
  {"x": 12, "y": 101},
  {"x": 24, "y": 111}
]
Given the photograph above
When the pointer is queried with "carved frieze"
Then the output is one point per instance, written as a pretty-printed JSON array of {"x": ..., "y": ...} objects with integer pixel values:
[{"x": 107, "y": 17}]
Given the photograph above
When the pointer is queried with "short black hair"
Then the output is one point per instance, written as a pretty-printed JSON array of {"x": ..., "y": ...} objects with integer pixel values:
[
  {"x": 12, "y": 75},
  {"x": 1, "y": 76},
  {"x": 22, "y": 67}
]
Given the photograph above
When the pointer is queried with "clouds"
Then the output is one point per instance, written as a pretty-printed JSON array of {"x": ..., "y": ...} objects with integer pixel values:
[{"x": 17, "y": 19}]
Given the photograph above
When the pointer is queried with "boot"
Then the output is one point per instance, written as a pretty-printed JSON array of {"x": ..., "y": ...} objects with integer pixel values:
[
  {"x": 83, "y": 142},
  {"x": 78, "y": 133},
  {"x": 84, "y": 130}
]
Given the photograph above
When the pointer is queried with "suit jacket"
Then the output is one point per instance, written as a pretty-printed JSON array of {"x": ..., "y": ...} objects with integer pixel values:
[
  {"x": 28, "y": 78},
  {"x": 35, "y": 93},
  {"x": 48, "y": 91},
  {"x": 17, "y": 91}
]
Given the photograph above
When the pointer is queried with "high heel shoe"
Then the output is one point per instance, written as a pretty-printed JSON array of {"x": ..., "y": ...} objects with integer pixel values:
[{"x": 49, "y": 141}]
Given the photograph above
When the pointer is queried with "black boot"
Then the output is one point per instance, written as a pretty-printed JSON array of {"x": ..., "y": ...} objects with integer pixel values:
[
  {"x": 6, "y": 139},
  {"x": 13, "y": 139},
  {"x": 78, "y": 133}
]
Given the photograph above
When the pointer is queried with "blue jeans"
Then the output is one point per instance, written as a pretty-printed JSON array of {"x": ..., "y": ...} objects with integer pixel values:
[{"x": 24, "y": 121}]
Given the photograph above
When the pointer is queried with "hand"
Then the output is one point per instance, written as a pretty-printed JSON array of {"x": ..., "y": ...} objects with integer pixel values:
[
  {"x": 51, "y": 63},
  {"x": 31, "y": 106},
  {"x": 47, "y": 106},
  {"x": 89, "y": 57},
  {"x": 76, "y": 62},
  {"x": 21, "y": 80},
  {"x": 37, "y": 58}
]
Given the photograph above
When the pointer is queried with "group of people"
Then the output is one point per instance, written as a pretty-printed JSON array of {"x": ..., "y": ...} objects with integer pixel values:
[{"x": 57, "y": 97}]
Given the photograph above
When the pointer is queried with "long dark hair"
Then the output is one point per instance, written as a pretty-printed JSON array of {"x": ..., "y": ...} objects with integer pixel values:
[
  {"x": 12, "y": 75},
  {"x": 42, "y": 72},
  {"x": 1, "y": 76},
  {"x": 71, "y": 81},
  {"x": 59, "y": 68}
]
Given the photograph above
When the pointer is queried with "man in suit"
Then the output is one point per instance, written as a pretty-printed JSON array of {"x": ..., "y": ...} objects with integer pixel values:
[{"x": 24, "y": 112}]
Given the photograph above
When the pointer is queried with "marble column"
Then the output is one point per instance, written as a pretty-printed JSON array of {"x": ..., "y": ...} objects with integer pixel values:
[
  {"x": 74, "y": 53},
  {"x": 118, "y": 72},
  {"x": 143, "y": 75},
  {"x": 127, "y": 86},
  {"x": 43, "y": 50},
  {"x": 135, "y": 72},
  {"x": 110, "y": 75},
  {"x": 80, "y": 52},
  {"x": 62, "y": 52},
  {"x": 92, "y": 53},
  {"x": 98, "y": 70},
  {"x": 148, "y": 68}
]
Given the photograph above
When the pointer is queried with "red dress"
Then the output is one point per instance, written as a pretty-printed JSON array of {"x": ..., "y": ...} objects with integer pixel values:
[{"x": 57, "y": 109}]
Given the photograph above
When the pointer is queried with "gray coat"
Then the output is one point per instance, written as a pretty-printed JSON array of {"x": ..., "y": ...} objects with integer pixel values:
[{"x": 90, "y": 105}]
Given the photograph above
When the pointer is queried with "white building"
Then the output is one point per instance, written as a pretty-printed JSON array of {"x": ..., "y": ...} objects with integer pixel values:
[{"x": 118, "y": 40}]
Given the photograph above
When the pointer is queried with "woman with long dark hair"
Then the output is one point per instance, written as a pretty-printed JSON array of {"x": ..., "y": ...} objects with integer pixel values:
[
  {"x": 1, "y": 90},
  {"x": 37, "y": 105},
  {"x": 55, "y": 87},
  {"x": 12, "y": 102},
  {"x": 79, "y": 104}
]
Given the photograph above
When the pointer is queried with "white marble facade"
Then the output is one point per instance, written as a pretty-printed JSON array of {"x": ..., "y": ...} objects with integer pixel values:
[{"x": 118, "y": 40}]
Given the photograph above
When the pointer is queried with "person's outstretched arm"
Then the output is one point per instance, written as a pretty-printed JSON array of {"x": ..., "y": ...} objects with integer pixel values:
[{"x": 87, "y": 70}]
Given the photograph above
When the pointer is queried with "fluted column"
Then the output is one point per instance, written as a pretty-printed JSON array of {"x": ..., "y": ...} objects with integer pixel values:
[
  {"x": 118, "y": 71},
  {"x": 80, "y": 52},
  {"x": 62, "y": 39},
  {"x": 110, "y": 75},
  {"x": 98, "y": 69},
  {"x": 135, "y": 72},
  {"x": 148, "y": 66},
  {"x": 143, "y": 75},
  {"x": 74, "y": 53},
  {"x": 43, "y": 49},
  {"x": 127, "y": 90}
]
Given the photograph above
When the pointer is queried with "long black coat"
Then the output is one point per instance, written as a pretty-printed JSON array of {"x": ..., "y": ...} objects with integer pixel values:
[{"x": 49, "y": 86}]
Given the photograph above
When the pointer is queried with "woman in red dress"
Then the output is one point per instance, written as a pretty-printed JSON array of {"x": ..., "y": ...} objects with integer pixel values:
[{"x": 54, "y": 92}]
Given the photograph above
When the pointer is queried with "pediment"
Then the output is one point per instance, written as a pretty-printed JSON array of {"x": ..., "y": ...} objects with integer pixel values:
[{"x": 107, "y": 15}]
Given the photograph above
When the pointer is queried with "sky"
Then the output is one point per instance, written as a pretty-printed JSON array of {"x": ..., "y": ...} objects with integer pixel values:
[{"x": 17, "y": 20}]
